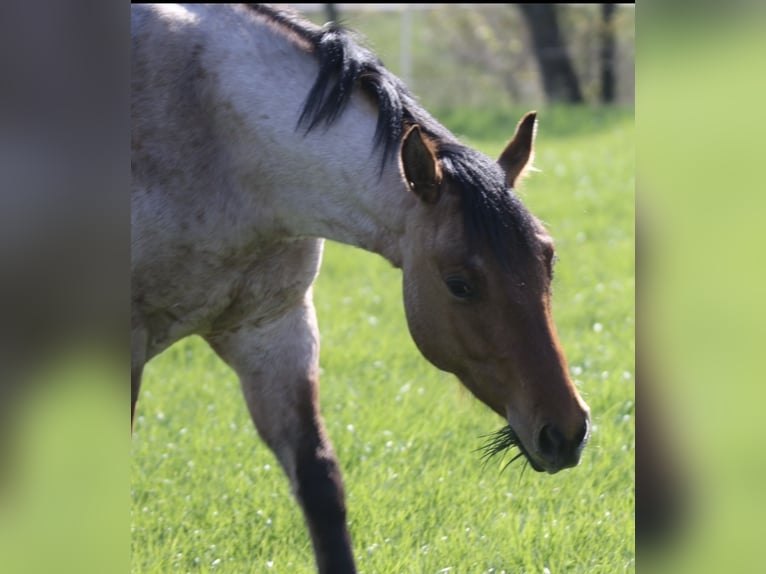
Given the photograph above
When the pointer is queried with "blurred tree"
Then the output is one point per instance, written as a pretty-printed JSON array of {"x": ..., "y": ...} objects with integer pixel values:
[
  {"x": 480, "y": 55},
  {"x": 487, "y": 42},
  {"x": 559, "y": 78},
  {"x": 331, "y": 10},
  {"x": 608, "y": 59}
]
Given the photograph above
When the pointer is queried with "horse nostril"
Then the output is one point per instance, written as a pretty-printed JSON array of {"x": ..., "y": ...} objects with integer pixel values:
[
  {"x": 557, "y": 449},
  {"x": 552, "y": 443}
]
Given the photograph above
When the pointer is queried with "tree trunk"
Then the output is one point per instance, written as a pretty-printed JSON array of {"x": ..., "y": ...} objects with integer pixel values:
[
  {"x": 332, "y": 12},
  {"x": 608, "y": 54},
  {"x": 559, "y": 78}
]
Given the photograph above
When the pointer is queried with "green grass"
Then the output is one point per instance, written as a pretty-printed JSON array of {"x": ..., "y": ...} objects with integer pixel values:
[{"x": 208, "y": 496}]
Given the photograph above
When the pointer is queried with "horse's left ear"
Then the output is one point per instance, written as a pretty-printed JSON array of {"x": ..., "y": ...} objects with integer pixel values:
[
  {"x": 519, "y": 152},
  {"x": 421, "y": 167}
]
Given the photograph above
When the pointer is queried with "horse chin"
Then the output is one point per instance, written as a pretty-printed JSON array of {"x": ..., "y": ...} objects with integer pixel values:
[
  {"x": 503, "y": 411},
  {"x": 535, "y": 466},
  {"x": 519, "y": 443}
]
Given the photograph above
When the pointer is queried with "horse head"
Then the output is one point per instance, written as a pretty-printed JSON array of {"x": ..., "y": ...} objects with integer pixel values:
[{"x": 477, "y": 272}]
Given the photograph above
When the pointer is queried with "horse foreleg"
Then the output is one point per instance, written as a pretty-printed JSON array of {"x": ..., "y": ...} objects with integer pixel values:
[
  {"x": 135, "y": 386},
  {"x": 137, "y": 360},
  {"x": 278, "y": 369}
]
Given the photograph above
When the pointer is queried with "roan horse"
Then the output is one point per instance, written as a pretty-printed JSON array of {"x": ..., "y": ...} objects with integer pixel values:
[{"x": 255, "y": 134}]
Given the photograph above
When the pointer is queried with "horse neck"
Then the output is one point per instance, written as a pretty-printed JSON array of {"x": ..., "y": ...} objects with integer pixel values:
[
  {"x": 329, "y": 182},
  {"x": 339, "y": 189}
]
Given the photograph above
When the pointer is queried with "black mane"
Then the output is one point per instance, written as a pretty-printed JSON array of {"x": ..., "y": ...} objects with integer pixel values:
[
  {"x": 493, "y": 215},
  {"x": 343, "y": 65}
]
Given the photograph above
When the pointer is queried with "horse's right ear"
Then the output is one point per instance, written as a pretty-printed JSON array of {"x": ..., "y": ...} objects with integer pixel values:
[{"x": 421, "y": 168}]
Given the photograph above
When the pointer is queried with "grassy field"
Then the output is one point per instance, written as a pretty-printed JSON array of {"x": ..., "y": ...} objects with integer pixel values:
[{"x": 207, "y": 495}]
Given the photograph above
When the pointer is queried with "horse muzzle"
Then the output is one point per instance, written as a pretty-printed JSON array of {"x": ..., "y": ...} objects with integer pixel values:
[{"x": 555, "y": 450}]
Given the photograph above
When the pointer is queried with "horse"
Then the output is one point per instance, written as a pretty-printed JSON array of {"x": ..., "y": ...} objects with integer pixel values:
[{"x": 255, "y": 135}]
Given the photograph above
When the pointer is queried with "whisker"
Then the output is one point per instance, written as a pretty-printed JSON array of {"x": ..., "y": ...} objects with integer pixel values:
[
  {"x": 518, "y": 456},
  {"x": 500, "y": 442},
  {"x": 523, "y": 468}
]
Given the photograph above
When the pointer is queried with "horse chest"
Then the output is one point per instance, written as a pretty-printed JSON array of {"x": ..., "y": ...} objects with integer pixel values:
[{"x": 206, "y": 295}]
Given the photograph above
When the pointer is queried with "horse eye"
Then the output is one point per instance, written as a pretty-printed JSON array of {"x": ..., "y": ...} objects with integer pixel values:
[{"x": 459, "y": 288}]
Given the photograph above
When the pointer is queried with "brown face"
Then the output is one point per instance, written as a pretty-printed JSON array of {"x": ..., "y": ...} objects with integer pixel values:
[{"x": 488, "y": 324}]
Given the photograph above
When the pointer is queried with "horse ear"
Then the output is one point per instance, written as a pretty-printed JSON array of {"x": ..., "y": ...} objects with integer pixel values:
[
  {"x": 519, "y": 152},
  {"x": 421, "y": 168}
]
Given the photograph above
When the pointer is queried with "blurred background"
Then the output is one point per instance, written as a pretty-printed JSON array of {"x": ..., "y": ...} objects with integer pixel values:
[{"x": 495, "y": 55}]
